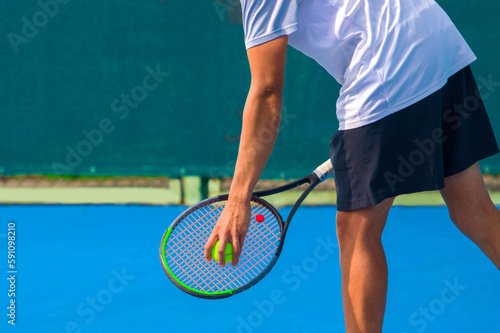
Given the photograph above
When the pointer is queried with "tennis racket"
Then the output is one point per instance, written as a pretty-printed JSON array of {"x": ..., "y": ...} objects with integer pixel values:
[{"x": 182, "y": 245}]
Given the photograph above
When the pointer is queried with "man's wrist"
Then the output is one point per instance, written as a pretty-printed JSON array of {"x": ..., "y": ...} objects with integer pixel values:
[{"x": 241, "y": 197}]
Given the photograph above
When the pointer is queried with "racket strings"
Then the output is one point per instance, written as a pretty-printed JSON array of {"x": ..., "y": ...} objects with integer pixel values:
[
  {"x": 226, "y": 279},
  {"x": 258, "y": 267},
  {"x": 184, "y": 250},
  {"x": 196, "y": 268},
  {"x": 252, "y": 271},
  {"x": 184, "y": 270}
]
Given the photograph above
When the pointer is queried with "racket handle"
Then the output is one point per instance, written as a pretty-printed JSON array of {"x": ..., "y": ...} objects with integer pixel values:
[{"x": 325, "y": 170}]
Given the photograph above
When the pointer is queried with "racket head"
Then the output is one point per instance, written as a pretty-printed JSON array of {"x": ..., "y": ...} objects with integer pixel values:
[{"x": 182, "y": 250}]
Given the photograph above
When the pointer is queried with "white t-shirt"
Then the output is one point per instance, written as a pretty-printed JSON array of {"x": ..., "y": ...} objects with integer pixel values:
[{"x": 386, "y": 54}]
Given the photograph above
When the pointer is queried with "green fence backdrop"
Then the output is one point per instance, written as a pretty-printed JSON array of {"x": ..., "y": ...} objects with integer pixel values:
[{"x": 157, "y": 88}]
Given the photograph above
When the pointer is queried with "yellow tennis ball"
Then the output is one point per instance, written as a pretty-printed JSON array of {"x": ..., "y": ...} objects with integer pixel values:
[{"x": 228, "y": 254}]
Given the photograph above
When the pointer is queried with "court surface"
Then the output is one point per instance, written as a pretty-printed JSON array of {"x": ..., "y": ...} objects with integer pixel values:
[{"x": 97, "y": 269}]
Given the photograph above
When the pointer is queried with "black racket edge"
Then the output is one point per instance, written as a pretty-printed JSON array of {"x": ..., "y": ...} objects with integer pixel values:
[{"x": 220, "y": 295}]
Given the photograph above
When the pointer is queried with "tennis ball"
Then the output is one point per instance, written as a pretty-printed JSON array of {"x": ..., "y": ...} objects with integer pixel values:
[{"x": 228, "y": 254}]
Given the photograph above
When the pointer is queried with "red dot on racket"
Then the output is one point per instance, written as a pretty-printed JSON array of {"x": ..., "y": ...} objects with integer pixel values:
[{"x": 259, "y": 218}]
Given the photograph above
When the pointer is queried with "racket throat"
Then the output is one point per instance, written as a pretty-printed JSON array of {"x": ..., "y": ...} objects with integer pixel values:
[{"x": 294, "y": 210}]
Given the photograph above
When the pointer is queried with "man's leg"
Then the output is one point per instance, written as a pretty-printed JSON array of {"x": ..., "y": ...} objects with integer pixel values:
[
  {"x": 364, "y": 267},
  {"x": 473, "y": 212}
]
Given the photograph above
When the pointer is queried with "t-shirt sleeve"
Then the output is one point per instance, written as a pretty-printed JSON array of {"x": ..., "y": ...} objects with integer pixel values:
[{"x": 265, "y": 20}]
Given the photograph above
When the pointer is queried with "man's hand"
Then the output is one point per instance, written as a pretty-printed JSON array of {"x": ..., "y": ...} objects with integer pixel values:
[{"x": 231, "y": 227}]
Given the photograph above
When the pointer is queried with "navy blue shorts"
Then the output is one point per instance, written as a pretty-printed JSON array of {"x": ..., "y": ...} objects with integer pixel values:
[{"x": 414, "y": 149}]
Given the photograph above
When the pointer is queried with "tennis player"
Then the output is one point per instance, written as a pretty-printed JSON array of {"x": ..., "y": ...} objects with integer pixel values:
[{"x": 411, "y": 119}]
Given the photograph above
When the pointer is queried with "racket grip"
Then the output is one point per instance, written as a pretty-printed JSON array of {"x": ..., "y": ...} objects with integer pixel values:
[{"x": 325, "y": 170}]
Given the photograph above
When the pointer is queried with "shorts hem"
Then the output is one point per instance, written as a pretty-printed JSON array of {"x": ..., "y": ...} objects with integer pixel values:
[
  {"x": 470, "y": 160},
  {"x": 374, "y": 200}
]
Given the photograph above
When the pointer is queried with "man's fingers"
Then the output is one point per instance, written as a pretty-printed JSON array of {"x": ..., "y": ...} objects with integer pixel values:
[
  {"x": 209, "y": 244},
  {"x": 236, "y": 250},
  {"x": 242, "y": 240},
  {"x": 221, "y": 251}
]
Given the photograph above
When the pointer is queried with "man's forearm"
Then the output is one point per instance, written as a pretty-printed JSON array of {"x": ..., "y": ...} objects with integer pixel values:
[{"x": 261, "y": 121}]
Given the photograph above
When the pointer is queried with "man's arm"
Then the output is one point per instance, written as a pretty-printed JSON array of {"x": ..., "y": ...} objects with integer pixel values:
[{"x": 261, "y": 120}]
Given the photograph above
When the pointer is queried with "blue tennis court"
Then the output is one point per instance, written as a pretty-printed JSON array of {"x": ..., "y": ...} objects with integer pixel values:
[{"x": 96, "y": 268}]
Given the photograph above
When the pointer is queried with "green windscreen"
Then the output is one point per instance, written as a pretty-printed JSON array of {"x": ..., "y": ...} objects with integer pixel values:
[{"x": 157, "y": 88}]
